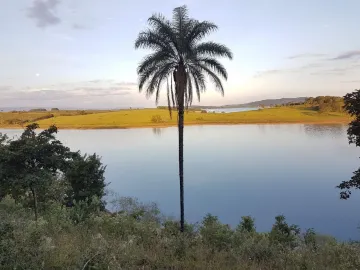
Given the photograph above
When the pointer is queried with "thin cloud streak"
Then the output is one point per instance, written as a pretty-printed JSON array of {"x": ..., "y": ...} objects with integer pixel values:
[
  {"x": 55, "y": 93},
  {"x": 347, "y": 55},
  {"x": 307, "y": 55},
  {"x": 353, "y": 81}
]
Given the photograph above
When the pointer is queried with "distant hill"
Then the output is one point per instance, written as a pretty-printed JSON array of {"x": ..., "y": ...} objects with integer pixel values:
[{"x": 265, "y": 102}]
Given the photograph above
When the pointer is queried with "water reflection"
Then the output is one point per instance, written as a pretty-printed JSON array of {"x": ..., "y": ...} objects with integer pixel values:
[
  {"x": 232, "y": 171},
  {"x": 157, "y": 131},
  {"x": 332, "y": 131}
]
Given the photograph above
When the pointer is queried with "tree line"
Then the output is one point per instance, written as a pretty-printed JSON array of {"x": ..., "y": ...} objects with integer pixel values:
[{"x": 326, "y": 103}]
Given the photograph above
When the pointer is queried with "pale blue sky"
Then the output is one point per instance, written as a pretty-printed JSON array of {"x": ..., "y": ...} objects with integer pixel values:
[{"x": 71, "y": 53}]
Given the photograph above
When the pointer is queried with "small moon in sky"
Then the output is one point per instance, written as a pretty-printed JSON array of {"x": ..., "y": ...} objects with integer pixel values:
[{"x": 37, "y": 74}]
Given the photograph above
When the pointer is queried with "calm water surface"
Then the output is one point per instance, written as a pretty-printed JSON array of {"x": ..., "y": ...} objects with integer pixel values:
[{"x": 232, "y": 171}]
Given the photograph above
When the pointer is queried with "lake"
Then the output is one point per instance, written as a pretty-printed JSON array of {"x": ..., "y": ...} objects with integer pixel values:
[{"x": 232, "y": 171}]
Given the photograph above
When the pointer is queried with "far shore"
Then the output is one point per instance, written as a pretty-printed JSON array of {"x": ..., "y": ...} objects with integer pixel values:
[
  {"x": 187, "y": 124},
  {"x": 160, "y": 118}
]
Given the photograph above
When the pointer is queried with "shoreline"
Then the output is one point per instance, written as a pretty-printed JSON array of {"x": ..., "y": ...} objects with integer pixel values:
[{"x": 170, "y": 125}]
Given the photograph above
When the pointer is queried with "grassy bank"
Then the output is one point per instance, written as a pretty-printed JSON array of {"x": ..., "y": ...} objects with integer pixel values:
[
  {"x": 139, "y": 237},
  {"x": 160, "y": 118}
]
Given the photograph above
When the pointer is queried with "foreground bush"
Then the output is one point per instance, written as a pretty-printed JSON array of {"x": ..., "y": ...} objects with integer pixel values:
[
  {"x": 137, "y": 236},
  {"x": 156, "y": 119}
]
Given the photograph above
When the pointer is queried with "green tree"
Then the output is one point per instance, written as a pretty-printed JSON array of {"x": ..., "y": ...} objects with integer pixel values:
[
  {"x": 247, "y": 224},
  {"x": 284, "y": 234},
  {"x": 85, "y": 175},
  {"x": 352, "y": 106},
  {"x": 30, "y": 163},
  {"x": 180, "y": 55},
  {"x": 40, "y": 167}
]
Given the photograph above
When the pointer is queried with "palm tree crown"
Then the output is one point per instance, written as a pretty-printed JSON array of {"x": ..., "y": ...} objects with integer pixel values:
[{"x": 175, "y": 44}]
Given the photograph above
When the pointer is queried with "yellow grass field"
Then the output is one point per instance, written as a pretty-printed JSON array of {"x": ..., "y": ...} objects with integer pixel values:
[{"x": 161, "y": 118}]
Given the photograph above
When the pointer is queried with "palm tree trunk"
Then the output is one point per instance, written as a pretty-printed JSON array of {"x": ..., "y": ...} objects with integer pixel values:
[
  {"x": 181, "y": 164},
  {"x": 180, "y": 88}
]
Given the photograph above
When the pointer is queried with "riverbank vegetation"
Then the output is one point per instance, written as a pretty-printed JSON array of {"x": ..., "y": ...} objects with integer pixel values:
[
  {"x": 160, "y": 118},
  {"x": 137, "y": 236}
]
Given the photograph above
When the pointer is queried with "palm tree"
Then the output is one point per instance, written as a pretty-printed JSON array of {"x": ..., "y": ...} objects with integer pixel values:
[{"x": 181, "y": 57}]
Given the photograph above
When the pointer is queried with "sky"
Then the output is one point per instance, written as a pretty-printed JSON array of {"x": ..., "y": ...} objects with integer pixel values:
[{"x": 80, "y": 53}]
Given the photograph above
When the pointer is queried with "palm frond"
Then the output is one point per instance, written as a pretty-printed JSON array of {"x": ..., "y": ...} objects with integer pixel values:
[
  {"x": 213, "y": 49},
  {"x": 214, "y": 78},
  {"x": 152, "y": 40},
  {"x": 197, "y": 87},
  {"x": 163, "y": 27},
  {"x": 172, "y": 93},
  {"x": 154, "y": 59},
  {"x": 199, "y": 30},
  {"x": 199, "y": 80},
  {"x": 157, "y": 78},
  {"x": 215, "y": 65},
  {"x": 145, "y": 76},
  {"x": 189, "y": 98},
  {"x": 180, "y": 24},
  {"x": 168, "y": 98}
]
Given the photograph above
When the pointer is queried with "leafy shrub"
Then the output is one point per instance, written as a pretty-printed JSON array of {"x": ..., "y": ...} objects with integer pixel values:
[
  {"x": 247, "y": 224},
  {"x": 310, "y": 239},
  {"x": 156, "y": 119},
  {"x": 203, "y": 111},
  {"x": 82, "y": 112},
  {"x": 284, "y": 234},
  {"x": 216, "y": 235}
]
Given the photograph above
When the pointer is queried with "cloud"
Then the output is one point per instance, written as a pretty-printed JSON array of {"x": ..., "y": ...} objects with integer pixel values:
[
  {"x": 43, "y": 12},
  {"x": 347, "y": 55},
  {"x": 102, "y": 82},
  {"x": 4, "y": 88},
  {"x": 61, "y": 92},
  {"x": 353, "y": 81},
  {"x": 329, "y": 73},
  {"x": 128, "y": 84},
  {"x": 307, "y": 55},
  {"x": 61, "y": 36},
  {"x": 78, "y": 26},
  {"x": 271, "y": 72},
  {"x": 316, "y": 68},
  {"x": 95, "y": 81},
  {"x": 103, "y": 91}
]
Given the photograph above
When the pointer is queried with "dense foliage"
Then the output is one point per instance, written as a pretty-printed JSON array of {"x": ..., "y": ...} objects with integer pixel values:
[
  {"x": 352, "y": 106},
  {"x": 326, "y": 103},
  {"x": 137, "y": 236},
  {"x": 36, "y": 168}
]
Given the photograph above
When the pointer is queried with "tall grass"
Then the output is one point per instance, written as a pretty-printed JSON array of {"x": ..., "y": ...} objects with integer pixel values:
[
  {"x": 147, "y": 118},
  {"x": 137, "y": 236}
]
